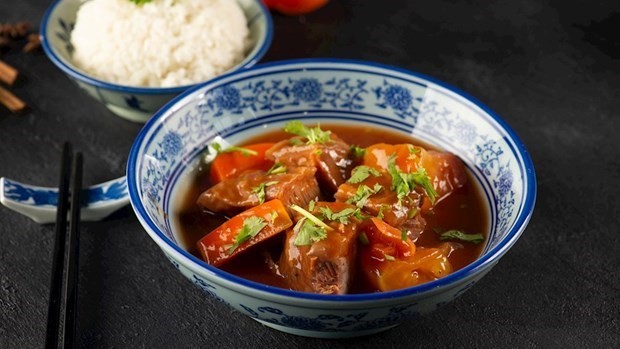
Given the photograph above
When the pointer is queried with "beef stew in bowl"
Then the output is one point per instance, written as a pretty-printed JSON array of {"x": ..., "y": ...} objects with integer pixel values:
[{"x": 333, "y": 209}]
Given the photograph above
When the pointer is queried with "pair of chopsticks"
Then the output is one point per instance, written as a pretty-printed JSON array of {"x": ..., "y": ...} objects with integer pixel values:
[{"x": 68, "y": 204}]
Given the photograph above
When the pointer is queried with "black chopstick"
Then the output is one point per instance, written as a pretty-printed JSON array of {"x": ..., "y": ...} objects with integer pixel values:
[
  {"x": 53, "y": 312},
  {"x": 69, "y": 283},
  {"x": 73, "y": 260}
]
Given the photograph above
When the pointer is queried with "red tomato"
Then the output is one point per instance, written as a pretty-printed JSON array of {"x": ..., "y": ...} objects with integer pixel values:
[{"x": 295, "y": 7}]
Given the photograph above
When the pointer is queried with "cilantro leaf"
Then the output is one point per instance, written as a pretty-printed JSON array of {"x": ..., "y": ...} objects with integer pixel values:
[
  {"x": 277, "y": 168},
  {"x": 244, "y": 151},
  {"x": 455, "y": 234},
  {"x": 260, "y": 190},
  {"x": 399, "y": 182},
  {"x": 296, "y": 127},
  {"x": 413, "y": 151},
  {"x": 363, "y": 193},
  {"x": 342, "y": 216},
  {"x": 381, "y": 209},
  {"x": 363, "y": 238},
  {"x": 295, "y": 141},
  {"x": 314, "y": 135},
  {"x": 251, "y": 227},
  {"x": 403, "y": 183},
  {"x": 357, "y": 151},
  {"x": 422, "y": 179},
  {"x": 311, "y": 205},
  {"x": 360, "y": 173},
  {"x": 308, "y": 232},
  {"x": 140, "y": 2},
  {"x": 274, "y": 215}
]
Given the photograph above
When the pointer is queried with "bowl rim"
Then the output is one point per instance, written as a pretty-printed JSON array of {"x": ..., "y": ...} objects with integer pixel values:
[
  {"x": 198, "y": 265},
  {"x": 69, "y": 68}
]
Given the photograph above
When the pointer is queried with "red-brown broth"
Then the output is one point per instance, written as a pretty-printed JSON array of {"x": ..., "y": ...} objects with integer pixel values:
[{"x": 464, "y": 209}]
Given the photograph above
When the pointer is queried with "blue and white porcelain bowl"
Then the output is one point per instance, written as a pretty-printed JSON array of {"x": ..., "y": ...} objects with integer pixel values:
[
  {"x": 130, "y": 102},
  {"x": 244, "y": 103}
]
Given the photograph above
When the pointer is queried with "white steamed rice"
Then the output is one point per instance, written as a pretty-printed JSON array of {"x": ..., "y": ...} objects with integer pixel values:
[{"x": 162, "y": 43}]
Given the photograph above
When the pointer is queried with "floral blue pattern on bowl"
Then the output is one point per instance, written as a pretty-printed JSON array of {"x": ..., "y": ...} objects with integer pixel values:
[
  {"x": 39, "y": 203},
  {"x": 236, "y": 106},
  {"x": 135, "y": 103}
]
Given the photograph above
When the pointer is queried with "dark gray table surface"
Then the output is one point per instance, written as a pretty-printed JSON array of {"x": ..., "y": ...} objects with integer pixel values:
[{"x": 549, "y": 68}]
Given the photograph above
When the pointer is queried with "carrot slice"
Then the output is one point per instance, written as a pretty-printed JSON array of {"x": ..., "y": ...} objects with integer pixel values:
[
  {"x": 391, "y": 263},
  {"x": 244, "y": 231},
  {"x": 387, "y": 238},
  {"x": 428, "y": 264},
  {"x": 407, "y": 156},
  {"x": 230, "y": 165}
]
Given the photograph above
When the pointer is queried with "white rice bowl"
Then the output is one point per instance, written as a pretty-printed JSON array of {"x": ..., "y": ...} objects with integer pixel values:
[{"x": 163, "y": 43}]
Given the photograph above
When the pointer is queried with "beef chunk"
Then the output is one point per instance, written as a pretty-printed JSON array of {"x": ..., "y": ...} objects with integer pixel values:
[
  {"x": 297, "y": 186},
  {"x": 330, "y": 159},
  {"x": 325, "y": 266}
]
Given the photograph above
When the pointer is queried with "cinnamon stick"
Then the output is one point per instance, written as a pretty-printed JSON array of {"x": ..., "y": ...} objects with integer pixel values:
[
  {"x": 15, "y": 30},
  {"x": 11, "y": 101},
  {"x": 5, "y": 42},
  {"x": 34, "y": 43},
  {"x": 8, "y": 74}
]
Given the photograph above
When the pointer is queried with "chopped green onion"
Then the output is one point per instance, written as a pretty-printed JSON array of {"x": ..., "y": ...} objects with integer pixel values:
[
  {"x": 277, "y": 168},
  {"x": 311, "y": 205},
  {"x": 244, "y": 151},
  {"x": 311, "y": 217},
  {"x": 412, "y": 212},
  {"x": 389, "y": 257},
  {"x": 403, "y": 235}
]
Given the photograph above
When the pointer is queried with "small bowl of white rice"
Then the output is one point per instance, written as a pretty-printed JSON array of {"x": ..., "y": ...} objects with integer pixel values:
[{"x": 136, "y": 55}]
